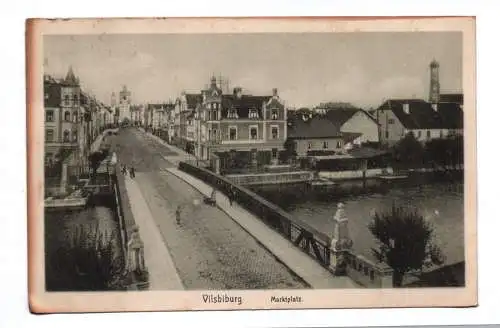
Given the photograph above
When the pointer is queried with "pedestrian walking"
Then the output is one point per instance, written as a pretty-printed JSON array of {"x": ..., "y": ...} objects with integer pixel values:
[
  {"x": 178, "y": 214},
  {"x": 124, "y": 169},
  {"x": 132, "y": 172},
  {"x": 231, "y": 195}
]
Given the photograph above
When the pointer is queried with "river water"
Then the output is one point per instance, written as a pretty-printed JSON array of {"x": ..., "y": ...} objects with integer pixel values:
[{"x": 442, "y": 203}]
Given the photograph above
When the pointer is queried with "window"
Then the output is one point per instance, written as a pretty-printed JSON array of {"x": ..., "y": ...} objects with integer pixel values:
[
  {"x": 390, "y": 121},
  {"x": 253, "y": 133},
  {"x": 274, "y": 114},
  {"x": 232, "y": 114},
  {"x": 253, "y": 113},
  {"x": 75, "y": 99},
  {"x": 66, "y": 100},
  {"x": 372, "y": 275},
  {"x": 274, "y": 132},
  {"x": 419, "y": 134},
  {"x": 339, "y": 144},
  {"x": 387, "y": 134},
  {"x": 325, "y": 144},
  {"x": 75, "y": 117},
  {"x": 67, "y": 116},
  {"x": 274, "y": 152},
  {"x": 309, "y": 145},
  {"x": 66, "y": 136},
  {"x": 213, "y": 116},
  {"x": 49, "y": 116},
  {"x": 214, "y": 134},
  {"x": 233, "y": 133},
  {"x": 428, "y": 134},
  {"x": 441, "y": 133},
  {"x": 49, "y": 135}
]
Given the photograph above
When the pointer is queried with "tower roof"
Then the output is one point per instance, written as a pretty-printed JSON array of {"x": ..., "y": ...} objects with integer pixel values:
[
  {"x": 434, "y": 63},
  {"x": 71, "y": 79}
]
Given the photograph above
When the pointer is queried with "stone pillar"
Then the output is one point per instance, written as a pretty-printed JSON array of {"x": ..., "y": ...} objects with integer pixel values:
[
  {"x": 386, "y": 274},
  {"x": 341, "y": 242},
  {"x": 135, "y": 250},
  {"x": 64, "y": 178}
]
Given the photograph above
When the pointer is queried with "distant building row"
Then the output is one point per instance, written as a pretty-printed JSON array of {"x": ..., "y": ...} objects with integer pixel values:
[{"x": 73, "y": 118}]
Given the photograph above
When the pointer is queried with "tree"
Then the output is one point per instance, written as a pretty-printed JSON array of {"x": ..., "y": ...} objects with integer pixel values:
[
  {"x": 409, "y": 151},
  {"x": 404, "y": 241},
  {"x": 290, "y": 152}
]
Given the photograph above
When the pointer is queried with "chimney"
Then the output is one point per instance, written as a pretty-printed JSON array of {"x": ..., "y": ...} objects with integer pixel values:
[
  {"x": 406, "y": 108},
  {"x": 237, "y": 92},
  {"x": 275, "y": 92}
]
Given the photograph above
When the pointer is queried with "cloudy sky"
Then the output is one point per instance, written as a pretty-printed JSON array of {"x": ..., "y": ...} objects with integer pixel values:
[{"x": 362, "y": 68}]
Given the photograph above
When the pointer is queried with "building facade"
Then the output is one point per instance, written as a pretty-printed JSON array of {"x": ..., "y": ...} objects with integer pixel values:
[
  {"x": 62, "y": 115},
  {"x": 238, "y": 125}
]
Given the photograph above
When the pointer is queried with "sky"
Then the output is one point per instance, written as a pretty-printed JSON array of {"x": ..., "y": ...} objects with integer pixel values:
[{"x": 306, "y": 68}]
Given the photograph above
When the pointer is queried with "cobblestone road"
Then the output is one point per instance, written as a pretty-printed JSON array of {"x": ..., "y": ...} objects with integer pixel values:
[{"x": 208, "y": 248}]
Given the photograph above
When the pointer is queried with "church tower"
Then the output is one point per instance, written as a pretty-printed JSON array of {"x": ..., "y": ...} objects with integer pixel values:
[
  {"x": 125, "y": 110},
  {"x": 434, "y": 83}
]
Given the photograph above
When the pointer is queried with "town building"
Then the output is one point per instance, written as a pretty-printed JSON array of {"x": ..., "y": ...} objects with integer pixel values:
[
  {"x": 185, "y": 105},
  {"x": 352, "y": 121},
  {"x": 62, "y": 115},
  {"x": 439, "y": 117},
  {"x": 238, "y": 127},
  {"x": 312, "y": 134},
  {"x": 398, "y": 117}
]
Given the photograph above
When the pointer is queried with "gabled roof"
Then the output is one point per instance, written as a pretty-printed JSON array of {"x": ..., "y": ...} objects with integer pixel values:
[
  {"x": 315, "y": 127},
  {"x": 452, "y": 98},
  {"x": 52, "y": 94},
  {"x": 243, "y": 104},
  {"x": 422, "y": 116}
]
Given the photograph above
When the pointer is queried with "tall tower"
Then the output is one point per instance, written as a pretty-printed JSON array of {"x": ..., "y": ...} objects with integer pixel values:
[
  {"x": 434, "y": 85},
  {"x": 125, "y": 110},
  {"x": 113, "y": 99}
]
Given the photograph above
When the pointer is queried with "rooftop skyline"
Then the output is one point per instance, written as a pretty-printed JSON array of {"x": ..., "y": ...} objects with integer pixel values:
[{"x": 307, "y": 69}]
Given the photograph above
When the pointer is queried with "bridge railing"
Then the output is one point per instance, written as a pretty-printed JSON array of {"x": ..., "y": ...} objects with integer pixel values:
[{"x": 313, "y": 242}]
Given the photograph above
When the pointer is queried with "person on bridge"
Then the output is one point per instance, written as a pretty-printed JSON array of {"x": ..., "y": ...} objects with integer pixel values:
[
  {"x": 124, "y": 169},
  {"x": 178, "y": 214},
  {"x": 232, "y": 195}
]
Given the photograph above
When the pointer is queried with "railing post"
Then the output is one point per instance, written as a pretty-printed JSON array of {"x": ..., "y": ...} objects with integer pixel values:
[{"x": 341, "y": 242}]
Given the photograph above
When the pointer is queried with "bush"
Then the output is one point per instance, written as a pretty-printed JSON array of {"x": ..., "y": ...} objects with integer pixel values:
[{"x": 404, "y": 241}]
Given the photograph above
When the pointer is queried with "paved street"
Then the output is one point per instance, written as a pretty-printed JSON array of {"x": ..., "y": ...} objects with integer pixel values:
[{"x": 209, "y": 250}]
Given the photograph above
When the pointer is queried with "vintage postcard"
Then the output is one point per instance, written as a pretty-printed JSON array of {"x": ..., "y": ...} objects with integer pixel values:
[{"x": 251, "y": 163}]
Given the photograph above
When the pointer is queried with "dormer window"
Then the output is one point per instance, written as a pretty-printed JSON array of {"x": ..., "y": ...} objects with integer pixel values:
[
  {"x": 232, "y": 114},
  {"x": 274, "y": 114},
  {"x": 253, "y": 113}
]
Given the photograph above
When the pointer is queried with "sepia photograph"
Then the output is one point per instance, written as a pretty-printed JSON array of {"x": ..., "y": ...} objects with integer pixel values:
[{"x": 201, "y": 164}]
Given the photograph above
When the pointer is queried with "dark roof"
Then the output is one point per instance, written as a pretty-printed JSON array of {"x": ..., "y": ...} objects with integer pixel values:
[
  {"x": 341, "y": 115},
  {"x": 243, "y": 104},
  {"x": 52, "y": 94},
  {"x": 193, "y": 100},
  {"x": 452, "y": 115},
  {"x": 421, "y": 114},
  {"x": 315, "y": 127},
  {"x": 335, "y": 105},
  {"x": 452, "y": 98}
]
